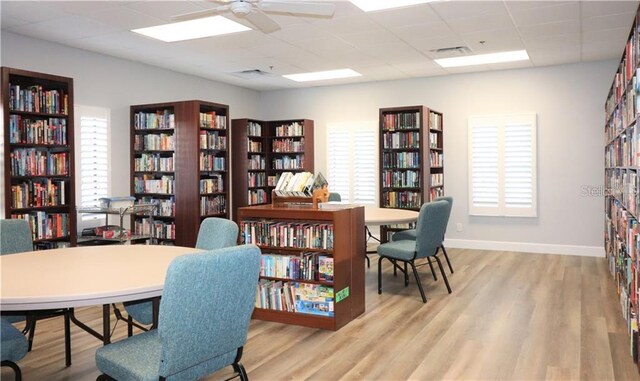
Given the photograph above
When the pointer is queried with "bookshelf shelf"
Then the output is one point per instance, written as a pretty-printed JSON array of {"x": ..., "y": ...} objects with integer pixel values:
[
  {"x": 344, "y": 234},
  {"x": 411, "y": 149},
  {"x": 38, "y": 124},
  {"x": 256, "y": 151},
  {"x": 190, "y": 135}
]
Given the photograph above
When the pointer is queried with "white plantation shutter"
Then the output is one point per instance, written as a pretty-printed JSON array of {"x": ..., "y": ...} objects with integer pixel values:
[
  {"x": 502, "y": 165},
  {"x": 94, "y": 157},
  {"x": 352, "y": 161}
]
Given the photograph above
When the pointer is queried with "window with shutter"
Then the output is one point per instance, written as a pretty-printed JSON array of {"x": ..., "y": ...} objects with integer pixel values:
[
  {"x": 502, "y": 165},
  {"x": 352, "y": 164},
  {"x": 94, "y": 156}
]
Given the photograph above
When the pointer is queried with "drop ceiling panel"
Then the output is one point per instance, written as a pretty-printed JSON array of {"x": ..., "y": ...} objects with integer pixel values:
[
  {"x": 493, "y": 40},
  {"x": 165, "y": 10},
  {"x": 600, "y": 51},
  {"x": 481, "y": 23},
  {"x": 418, "y": 32},
  {"x": 593, "y": 24},
  {"x": 602, "y": 8},
  {"x": 515, "y": 6},
  {"x": 451, "y": 10},
  {"x": 123, "y": 18},
  {"x": 551, "y": 29},
  {"x": 552, "y": 42},
  {"x": 619, "y": 34},
  {"x": 30, "y": 11},
  {"x": 414, "y": 15},
  {"x": 545, "y": 15}
]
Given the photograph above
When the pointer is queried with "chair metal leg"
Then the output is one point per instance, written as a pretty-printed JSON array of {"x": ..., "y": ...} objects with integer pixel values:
[
  {"x": 395, "y": 267},
  {"x": 32, "y": 331},
  {"x": 447, "y": 258},
  {"x": 415, "y": 273},
  {"x": 15, "y": 367},
  {"x": 446, "y": 281},
  {"x": 67, "y": 337},
  {"x": 239, "y": 368},
  {"x": 380, "y": 275},
  {"x": 406, "y": 275},
  {"x": 129, "y": 326},
  {"x": 431, "y": 267}
]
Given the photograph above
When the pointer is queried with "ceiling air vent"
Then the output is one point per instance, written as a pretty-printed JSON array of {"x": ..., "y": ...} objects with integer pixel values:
[
  {"x": 452, "y": 51},
  {"x": 252, "y": 73}
]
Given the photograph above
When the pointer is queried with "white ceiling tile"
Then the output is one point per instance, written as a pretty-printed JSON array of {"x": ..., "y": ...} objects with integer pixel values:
[
  {"x": 516, "y": 5},
  {"x": 418, "y": 32},
  {"x": 164, "y": 10},
  {"x": 450, "y": 10},
  {"x": 554, "y": 55},
  {"x": 427, "y": 45},
  {"x": 365, "y": 38},
  {"x": 484, "y": 22},
  {"x": 623, "y": 20},
  {"x": 347, "y": 25},
  {"x": 555, "y": 13},
  {"x": 609, "y": 35},
  {"x": 64, "y": 29},
  {"x": 84, "y": 7},
  {"x": 300, "y": 32},
  {"x": 600, "y": 51},
  {"x": 552, "y": 42},
  {"x": 603, "y": 8},
  {"x": 10, "y": 22},
  {"x": 415, "y": 15},
  {"x": 494, "y": 40},
  {"x": 123, "y": 18},
  {"x": 31, "y": 12},
  {"x": 550, "y": 29}
]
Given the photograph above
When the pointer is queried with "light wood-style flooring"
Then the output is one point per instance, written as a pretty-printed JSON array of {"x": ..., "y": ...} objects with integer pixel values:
[{"x": 511, "y": 316}]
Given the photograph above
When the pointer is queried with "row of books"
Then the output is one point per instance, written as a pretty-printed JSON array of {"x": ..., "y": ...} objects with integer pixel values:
[
  {"x": 34, "y": 194},
  {"x": 291, "y": 129},
  {"x": 400, "y": 159},
  {"x": 435, "y": 121},
  {"x": 151, "y": 162},
  {"x": 257, "y": 196},
  {"x": 212, "y": 185},
  {"x": 400, "y": 140},
  {"x": 210, "y": 205},
  {"x": 435, "y": 193},
  {"x": 436, "y": 159},
  {"x": 163, "y": 119},
  {"x": 623, "y": 185},
  {"x": 35, "y": 162},
  {"x": 256, "y": 162},
  {"x": 287, "y": 145},
  {"x": 254, "y": 129},
  {"x": 288, "y": 162},
  {"x": 155, "y": 229},
  {"x": 400, "y": 179},
  {"x": 254, "y": 146},
  {"x": 37, "y": 99},
  {"x": 310, "y": 235},
  {"x": 433, "y": 140},
  {"x": 625, "y": 110},
  {"x": 295, "y": 297},
  {"x": 401, "y": 121},
  {"x": 46, "y": 225},
  {"x": 166, "y": 207},
  {"x": 437, "y": 179},
  {"x": 313, "y": 266},
  {"x": 210, "y": 162},
  {"x": 302, "y": 184},
  {"x": 51, "y": 131},
  {"x": 154, "y": 142},
  {"x": 212, "y": 140},
  {"x": 402, "y": 199},
  {"x": 256, "y": 179},
  {"x": 148, "y": 184},
  {"x": 212, "y": 120}
]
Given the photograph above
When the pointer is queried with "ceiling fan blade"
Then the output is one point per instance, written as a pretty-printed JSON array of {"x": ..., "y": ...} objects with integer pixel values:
[
  {"x": 262, "y": 21},
  {"x": 200, "y": 14},
  {"x": 298, "y": 7}
]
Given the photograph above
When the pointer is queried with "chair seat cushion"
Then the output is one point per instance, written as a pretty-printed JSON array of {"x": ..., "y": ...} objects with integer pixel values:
[
  {"x": 14, "y": 344},
  {"x": 14, "y": 318},
  {"x": 140, "y": 311},
  {"x": 404, "y": 235},
  {"x": 136, "y": 358},
  {"x": 403, "y": 250}
]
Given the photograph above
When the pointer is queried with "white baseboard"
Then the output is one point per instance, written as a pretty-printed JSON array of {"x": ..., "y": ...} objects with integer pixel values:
[{"x": 542, "y": 248}]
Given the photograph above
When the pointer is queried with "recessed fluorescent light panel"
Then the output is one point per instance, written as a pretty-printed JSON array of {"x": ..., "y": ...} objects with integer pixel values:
[
  {"x": 323, "y": 75},
  {"x": 379, "y": 5},
  {"x": 189, "y": 30},
  {"x": 482, "y": 59}
]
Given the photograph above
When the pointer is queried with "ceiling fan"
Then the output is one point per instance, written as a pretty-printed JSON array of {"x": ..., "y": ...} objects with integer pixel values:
[{"x": 254, "y": 11}]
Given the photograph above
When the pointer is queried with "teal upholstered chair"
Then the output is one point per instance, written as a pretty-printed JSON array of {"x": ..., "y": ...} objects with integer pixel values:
[
  {"x": 13, "y": 346},
  {"x": 214, "y": 233},
  {"x": 411, "y": 234},
  {"x": 432, "y": 223},
  {"x": 333, "y": 196},
  {"x": 206, "y": 307}
]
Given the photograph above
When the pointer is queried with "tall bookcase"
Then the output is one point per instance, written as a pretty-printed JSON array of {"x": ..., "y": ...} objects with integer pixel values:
[
  {"x": 39, "y": 169},
  {"x": 180, "y": 161},
  {"x": 262, "y": 151},
  {"x": 622, "y": 200},
  {"x": 312, "y": 264},
  {"x": 411, "y": 159}
]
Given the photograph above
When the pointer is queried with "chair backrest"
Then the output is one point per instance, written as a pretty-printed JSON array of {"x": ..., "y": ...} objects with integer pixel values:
[
  {"x": 448, "y": 199},
  {"x": 206, "y": 307},
  {"x": 216, "y": 233},
  {"x": 15, "y": 236},
  {"x": 334, "y": 196},
  {"x": 432, "y": 223}
]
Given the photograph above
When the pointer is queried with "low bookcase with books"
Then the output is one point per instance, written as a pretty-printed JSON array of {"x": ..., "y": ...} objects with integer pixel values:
[
  {"x": 263, "y": 151},
  {"x": 37, "y": 112},
  {"x": 312, "y": 271},
  {"x": 411, "y": 159}
]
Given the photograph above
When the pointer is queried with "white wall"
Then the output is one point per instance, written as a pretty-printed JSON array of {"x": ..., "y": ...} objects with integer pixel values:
[
  {"x": 569, "y": 102},
  {"x": 105, "y": 81}
]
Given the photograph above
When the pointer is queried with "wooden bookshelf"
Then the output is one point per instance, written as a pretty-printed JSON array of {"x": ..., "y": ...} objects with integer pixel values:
[
  {"x": 622, "y": 200},
  {"x": 345, "y": 224},
  {"x": 411, "y": 159},
  {"x": 199, "y": 137},
  {"x": 260, "y": 149},
  {"x": 38, "y": 121}
]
